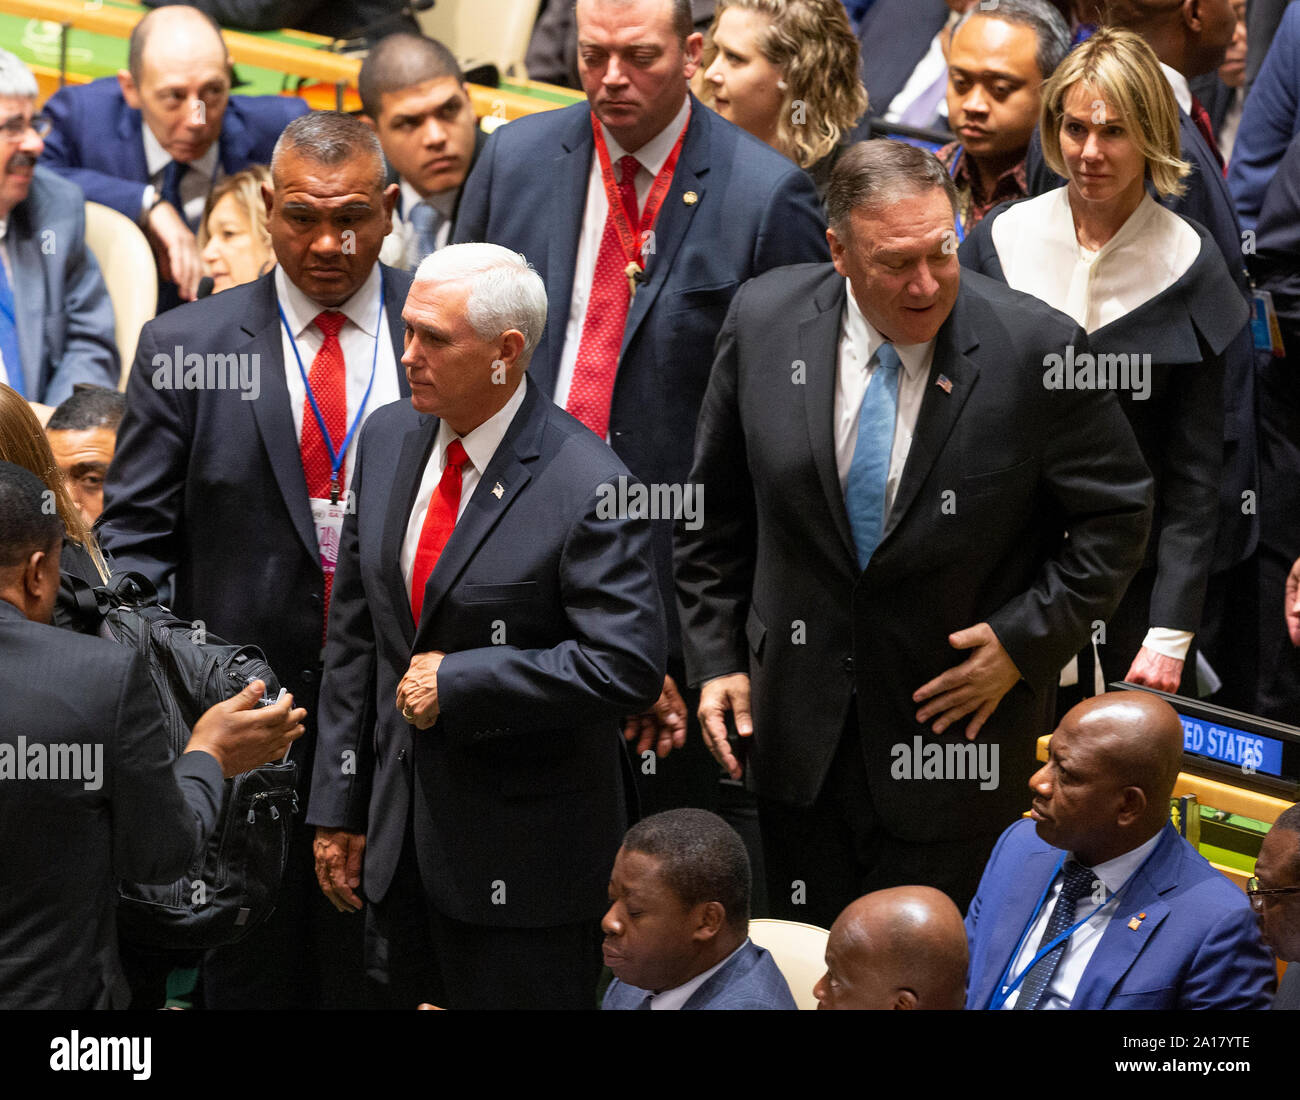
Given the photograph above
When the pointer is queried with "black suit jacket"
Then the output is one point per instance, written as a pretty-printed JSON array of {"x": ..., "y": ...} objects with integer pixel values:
[
  {"x": 332, "y": 18},
  {"x": 1186, "y": 330},
  {"x": 1207, "y": 202},
  {"x": 753, "y": 210},
  {"x": 206, "y": 495},
  {"x": 144, "y": 818},
  {"x": 546, "y": 606},
  {"x": 999, "y": 469}
]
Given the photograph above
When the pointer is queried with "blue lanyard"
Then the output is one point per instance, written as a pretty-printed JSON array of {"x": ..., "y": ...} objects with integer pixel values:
[
  {"x": 337, "y": 457},
  {"x": 1003, "y": 990},
  {"x": 952, "y": 171}
]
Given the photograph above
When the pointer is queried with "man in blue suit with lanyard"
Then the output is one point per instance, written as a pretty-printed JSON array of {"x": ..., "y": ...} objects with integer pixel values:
[{"x": 1108, "y": 906}]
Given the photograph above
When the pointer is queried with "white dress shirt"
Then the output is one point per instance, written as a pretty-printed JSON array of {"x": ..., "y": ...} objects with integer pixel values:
[
  {"x": 651, "y": 157},
  {"x": 854, "y": 372},
  {"x": 356, "y": 337},
  {"x": 1182, "y": 90},
  {"x": 1040, "y": 255},
  {"x": 399, "y": 246},
  {"x": 1079, "y": 948},
  {"x": 1227, "y": 134},
  {"x": 929, "y": 69},
  {"x": 196, "y": 184},
  {"x": 480, "y": 445},
  {"x": 673, "y": 999}
]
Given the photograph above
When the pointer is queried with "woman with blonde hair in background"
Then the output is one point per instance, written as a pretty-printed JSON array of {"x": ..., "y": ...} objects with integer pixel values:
[
  {"x": 787, "y": 72},
  {"x": 234, "y": 243}
]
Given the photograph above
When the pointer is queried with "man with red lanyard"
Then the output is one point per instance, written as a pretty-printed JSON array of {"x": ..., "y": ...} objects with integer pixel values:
[
  {"x": 231, "y": 480},
  {"x": 643, "y": 211}
]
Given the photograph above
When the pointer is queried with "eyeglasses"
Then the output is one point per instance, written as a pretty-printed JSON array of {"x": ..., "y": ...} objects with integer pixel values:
[
  {"x": 1257, "y": 893},
  {"x": 15, "y": 129}
]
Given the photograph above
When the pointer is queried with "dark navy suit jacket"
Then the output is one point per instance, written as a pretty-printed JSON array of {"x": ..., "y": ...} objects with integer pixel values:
[
  {"x": 98, "y": 144},
  {"x": 753, "y": 210},
  {"x": 1198, "y": 945},
  {"x": 894, "y": 36},
  {"x": 750, "y": 980},
  {"x": 546, "y": 606}
]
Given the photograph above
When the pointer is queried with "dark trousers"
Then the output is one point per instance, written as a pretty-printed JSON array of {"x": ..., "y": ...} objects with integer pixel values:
[
  {"x": 416, "y": 954},
  {"x": 824, "y": 856},
  {"x": 305, "y": 955}
]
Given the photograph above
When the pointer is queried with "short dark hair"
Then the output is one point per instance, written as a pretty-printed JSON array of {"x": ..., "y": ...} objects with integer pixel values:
[
  {"x": 1289, "y": 819},
  {"x": 701, "y": 858},
  {"x": 401, "y": 61},
  {"x": 141, "y": 31},
  {"x": 874, "y": 173},
  {"x": 683, "y": 18},
  {"x": 1051, "y": 31},
  {"x": 88, "y": 406},
  {"x": 29, "y": 517},
  {"x": 330, "y": 138}
]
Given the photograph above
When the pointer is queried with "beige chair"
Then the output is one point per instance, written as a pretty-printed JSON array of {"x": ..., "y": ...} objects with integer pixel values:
[
  {"x": 125, "y": 258},
  {"x": 482, "y": 32},
  {"x": 799, "y": 951}
]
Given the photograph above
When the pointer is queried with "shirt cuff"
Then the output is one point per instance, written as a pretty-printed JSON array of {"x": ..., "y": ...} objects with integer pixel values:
[
  {"x": 1168, "y": 643},
  {"x": 146, "y": 203}
]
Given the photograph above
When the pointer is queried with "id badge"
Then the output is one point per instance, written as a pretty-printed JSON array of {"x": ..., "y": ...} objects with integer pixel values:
[
  {"x": 328, "y": 520},
  {"x": 1264, "y": 325}
]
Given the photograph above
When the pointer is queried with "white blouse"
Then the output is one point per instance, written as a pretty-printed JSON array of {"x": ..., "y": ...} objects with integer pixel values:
[{"x": 1040, "y": 255}]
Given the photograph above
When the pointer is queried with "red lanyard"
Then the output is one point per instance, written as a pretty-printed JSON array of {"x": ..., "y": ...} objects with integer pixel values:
[{"x": 628, "y": 238}]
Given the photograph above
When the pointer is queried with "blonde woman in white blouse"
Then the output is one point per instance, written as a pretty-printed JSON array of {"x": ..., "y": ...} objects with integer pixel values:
[{"x": 1152, "y": 292}]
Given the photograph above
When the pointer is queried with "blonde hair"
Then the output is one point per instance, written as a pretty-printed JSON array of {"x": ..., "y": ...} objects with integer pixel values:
[
  {"x": 246, "y": 188},
  {"x": 812, "y": 44},
  {"x": 1122, "y": 69},
  {"x": 23, "y": 442}
]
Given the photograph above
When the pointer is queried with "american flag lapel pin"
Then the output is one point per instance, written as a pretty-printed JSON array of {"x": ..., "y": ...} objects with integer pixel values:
[
  {"x": 944, "y": 383},
  {"x": 497, "y": 491}
]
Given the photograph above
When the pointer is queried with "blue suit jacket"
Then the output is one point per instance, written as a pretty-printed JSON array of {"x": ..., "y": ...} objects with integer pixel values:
[
  {"x": 749, "y": 981},
  {"x": 1269, "y": 120},
  {"x": 553, "y": 628},
  {"x": 1197, "y": 947},
  {"x": 64, "y": 316},
  {"x": 754, "y": 210},
  {"x": 98, "y": 144}
]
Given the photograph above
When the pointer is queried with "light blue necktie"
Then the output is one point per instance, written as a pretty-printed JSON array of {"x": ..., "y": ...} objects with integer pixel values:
[
  {"x": 425, "y": 221},
  {"x": 864, "y": 490},
  {"x": 9, "y": 335}
]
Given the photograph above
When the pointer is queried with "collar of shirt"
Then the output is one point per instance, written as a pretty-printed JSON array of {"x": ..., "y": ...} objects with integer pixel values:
[
  {"x": 674, "y": 998},
  {"x": 867, "y": 339},
  {"x": 1115, "y": 872},
  {"x": 1010, "y": 184},
  {"x": 653, "y": 153},
  {"x": 442, "y": 201},
  {"x": 302, "y": 311},
  {"x": 1178, "y": 82},
  {"x": 4, "y": 228},
  {"x": 482, "y": 443},
  {"x": 157, "y": 158}
]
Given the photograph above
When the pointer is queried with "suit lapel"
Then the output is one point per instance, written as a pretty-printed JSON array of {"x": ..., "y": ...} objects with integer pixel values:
[
  {"x": 939, "y": 409},
  {"x": 1121, "y": 943},
  {"x": 570, "y": 170},
  {"x": 28, "y": 286},
  {"x": 509, "y": 469},
  {"x": 273, "y": 415},
  {"x": 402, "y": 489},
  {"x": 394, "y": 303},
  {"x": 674, "y": 217},
  {"x": 819, "y": 345},
  {"x": 1009, "y": 925},
  {"x": 131, "y": 135}
]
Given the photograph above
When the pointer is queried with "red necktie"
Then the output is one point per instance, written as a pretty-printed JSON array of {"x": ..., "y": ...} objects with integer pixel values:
[
  {"x": 439, "y": 521},
  {"x": 592, "y": 388},
  {"x": 329, "y": 383},
  {"x": 1201, "y": 117}
]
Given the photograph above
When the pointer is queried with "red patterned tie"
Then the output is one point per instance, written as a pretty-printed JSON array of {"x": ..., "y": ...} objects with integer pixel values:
[
  {"x": 439, "y": 521},
  {"x": 1201, "y": 117},
  {"x": 329, "y": 382},
  {"x": 592, "y": 387}
]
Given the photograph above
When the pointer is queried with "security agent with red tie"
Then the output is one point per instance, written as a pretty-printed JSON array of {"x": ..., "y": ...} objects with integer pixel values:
[
  {"x": 493, "y": 620},
  {"x": 222, "y": 487}
]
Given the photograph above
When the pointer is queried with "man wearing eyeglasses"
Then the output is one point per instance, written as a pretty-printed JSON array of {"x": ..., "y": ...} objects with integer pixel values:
[
  {"x": 56, "y": 322},
  {"x": 1275, "y": 896}
]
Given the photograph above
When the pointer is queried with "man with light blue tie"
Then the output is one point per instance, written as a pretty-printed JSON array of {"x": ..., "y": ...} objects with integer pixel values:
[
  {"x": 56, "y": 322},
  {"x": 889, "y": 476}
]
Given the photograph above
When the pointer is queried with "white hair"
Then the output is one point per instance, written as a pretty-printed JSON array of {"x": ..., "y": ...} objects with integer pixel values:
[
  {"x": 504, "y": 290},
  {"x": 16, "y": 80}
]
